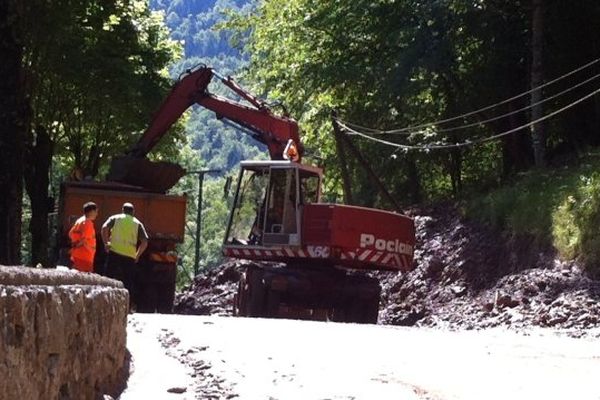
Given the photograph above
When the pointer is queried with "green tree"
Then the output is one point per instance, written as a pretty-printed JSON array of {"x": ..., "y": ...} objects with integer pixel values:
[{"x": 96, "y": 72}]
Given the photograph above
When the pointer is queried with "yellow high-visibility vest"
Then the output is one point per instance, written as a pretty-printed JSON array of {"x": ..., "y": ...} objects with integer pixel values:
[{"x": 124, "y": 236}]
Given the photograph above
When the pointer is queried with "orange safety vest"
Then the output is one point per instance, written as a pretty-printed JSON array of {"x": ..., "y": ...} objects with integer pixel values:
[{"x": 83, "y": 244}]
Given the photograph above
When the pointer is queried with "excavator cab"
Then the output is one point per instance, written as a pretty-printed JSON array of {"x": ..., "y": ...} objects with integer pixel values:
[{"x": 267, "y": 208}]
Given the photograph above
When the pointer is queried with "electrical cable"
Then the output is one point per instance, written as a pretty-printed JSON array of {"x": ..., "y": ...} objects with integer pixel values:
[
  {"x": 473, "y": 142},
  {"x": 412, "y": 128},
  {"x": 485, "y": 121}
]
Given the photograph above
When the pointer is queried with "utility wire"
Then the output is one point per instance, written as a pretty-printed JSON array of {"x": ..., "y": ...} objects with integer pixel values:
[
  {"x": 424, "y": 125},
  {"x": 471, "y": 142},
  {"x": 485, "y": 121}
]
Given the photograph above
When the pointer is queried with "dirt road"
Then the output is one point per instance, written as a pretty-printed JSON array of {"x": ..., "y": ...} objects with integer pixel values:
[{"x": 193, "y": 357}]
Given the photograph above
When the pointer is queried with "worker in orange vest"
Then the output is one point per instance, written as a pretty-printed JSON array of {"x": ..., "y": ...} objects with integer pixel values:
[{"x": 83, "y": 239}]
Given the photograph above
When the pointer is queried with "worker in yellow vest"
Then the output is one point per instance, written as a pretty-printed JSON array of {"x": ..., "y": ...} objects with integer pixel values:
[{"x": 125, "y": 239}]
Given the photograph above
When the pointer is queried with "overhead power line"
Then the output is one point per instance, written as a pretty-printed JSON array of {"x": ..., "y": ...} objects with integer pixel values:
[
  {"x": 470, "y": 142},
  {"x": 485, "y": 121},
  {"x": 442, "y": 121}
]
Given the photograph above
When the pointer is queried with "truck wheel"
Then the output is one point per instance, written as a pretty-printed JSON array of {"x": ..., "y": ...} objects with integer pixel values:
[
  {"x": 240, "y": 298},
  {"x": 362, "y": 311},
  {"x": 370, "y": 310},
  {"x": 251, "y": 294},
  {"x": 272, "y": 303},
  {"x": 338, "y": 314},
  {"x": 367, "y": 311},
  {"x": 256, "y": 301},
  {"x": 362, "y": 306}
]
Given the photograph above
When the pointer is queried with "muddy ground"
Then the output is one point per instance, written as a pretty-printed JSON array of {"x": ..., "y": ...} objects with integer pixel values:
[{"x": 466, "y": 276}]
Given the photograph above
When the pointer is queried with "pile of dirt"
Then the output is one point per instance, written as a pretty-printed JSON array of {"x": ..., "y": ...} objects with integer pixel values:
[
  {"x": 212, "y": 291},
  {"x": 466, "y": 276}
]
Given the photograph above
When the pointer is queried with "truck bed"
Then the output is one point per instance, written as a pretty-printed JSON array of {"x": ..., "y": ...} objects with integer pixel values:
[{"x": 162, "y": 215}]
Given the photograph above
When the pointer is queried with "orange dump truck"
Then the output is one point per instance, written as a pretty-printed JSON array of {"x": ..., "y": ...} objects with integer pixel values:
[{"x": 164, "y": 219}]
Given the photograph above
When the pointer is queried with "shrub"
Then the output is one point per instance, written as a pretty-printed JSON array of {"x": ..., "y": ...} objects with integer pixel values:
[
  {"x": 559, "y": 208},
  {"x": 576, "y": 223}
]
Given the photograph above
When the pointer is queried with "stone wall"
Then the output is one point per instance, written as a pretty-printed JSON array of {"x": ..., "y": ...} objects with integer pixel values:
[{"x": 62, "y": 335}]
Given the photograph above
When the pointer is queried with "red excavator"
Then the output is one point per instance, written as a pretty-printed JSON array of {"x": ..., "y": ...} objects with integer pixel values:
[{"x": 314, "y": 257}]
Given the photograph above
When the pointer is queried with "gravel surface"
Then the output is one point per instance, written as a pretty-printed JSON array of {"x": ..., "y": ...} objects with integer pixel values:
[{"x": 209, "y": 357}]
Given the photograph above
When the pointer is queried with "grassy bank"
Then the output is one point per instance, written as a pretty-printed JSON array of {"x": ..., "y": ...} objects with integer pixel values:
[{"x": 558, "y": 207}]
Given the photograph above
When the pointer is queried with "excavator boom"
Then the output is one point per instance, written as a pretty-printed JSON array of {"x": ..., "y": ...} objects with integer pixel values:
[
  {"x": 192, "y": 88},
  {"x": 257, "y": 119}
]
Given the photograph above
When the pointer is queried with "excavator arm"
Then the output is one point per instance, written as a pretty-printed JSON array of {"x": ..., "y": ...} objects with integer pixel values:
[
  {"x": 264, "y": 125},
  {"x": 256, "y": 119}
]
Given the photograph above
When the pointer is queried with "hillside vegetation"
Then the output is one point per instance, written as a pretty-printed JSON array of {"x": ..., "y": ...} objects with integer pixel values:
[{"x": 557, "y": 207}]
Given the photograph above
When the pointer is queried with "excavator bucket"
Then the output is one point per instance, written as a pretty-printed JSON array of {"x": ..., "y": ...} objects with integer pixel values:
[{"x": 153, "y": 176}]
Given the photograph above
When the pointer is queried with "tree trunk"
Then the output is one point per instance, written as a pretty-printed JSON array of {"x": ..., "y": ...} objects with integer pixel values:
[
  {"x": 453, "y": 88},
  {"x": 414, "y": 180},
  {"x": 372, "y": 175},
  {"x": 343, "y": 163},
  {"x": 537, "y": 77},
  {"x": 516, "y": 148},
  {"x": 12, "y": 133},
  {"x": 456, "y": 171},
  {"x": 37, "y": 173}
]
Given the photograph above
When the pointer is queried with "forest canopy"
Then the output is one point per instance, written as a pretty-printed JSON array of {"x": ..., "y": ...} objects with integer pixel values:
[{"x": 390, "y": 64}]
